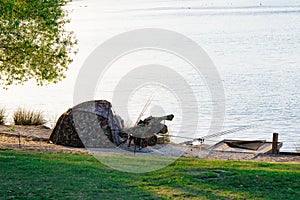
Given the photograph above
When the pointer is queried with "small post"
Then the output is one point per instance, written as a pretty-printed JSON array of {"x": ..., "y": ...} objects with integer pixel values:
[
  {"x": 19, "y": 138},
  {"x": 275, "y": 144}
]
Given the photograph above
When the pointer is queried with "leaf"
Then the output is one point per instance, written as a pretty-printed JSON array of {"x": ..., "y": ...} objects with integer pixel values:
[{"x": 34, "y": 43}]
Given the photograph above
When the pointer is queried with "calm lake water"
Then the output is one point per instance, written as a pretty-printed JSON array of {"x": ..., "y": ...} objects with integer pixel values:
[{"x": 255, "y": 46}]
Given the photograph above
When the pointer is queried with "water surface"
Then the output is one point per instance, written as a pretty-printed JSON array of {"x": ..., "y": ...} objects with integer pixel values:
[{"x": 254, "y": 45}]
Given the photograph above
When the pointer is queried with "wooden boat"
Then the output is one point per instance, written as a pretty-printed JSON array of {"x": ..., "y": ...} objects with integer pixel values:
[{"x": 244, "y": 146}]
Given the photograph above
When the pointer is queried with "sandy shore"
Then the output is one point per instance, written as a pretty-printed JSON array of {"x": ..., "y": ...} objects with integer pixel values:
[
  {"x": 31, "y": 138},
  {"x": 36, "y": 138}
]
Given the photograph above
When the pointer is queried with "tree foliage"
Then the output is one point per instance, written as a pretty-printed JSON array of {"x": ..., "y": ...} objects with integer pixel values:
[{"x": 34, "y": 41}]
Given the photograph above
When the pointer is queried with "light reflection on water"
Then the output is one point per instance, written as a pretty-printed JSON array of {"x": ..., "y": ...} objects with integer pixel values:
[{"x": 254, "y": 45}]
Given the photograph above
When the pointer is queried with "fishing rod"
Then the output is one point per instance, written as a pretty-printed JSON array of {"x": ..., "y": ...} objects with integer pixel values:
[
  {"x": 201, "y": 139},
  {"x": 139, "y": 118},
  {"x": 144, "y": 109},
  {"x": 227, "y": 132}
]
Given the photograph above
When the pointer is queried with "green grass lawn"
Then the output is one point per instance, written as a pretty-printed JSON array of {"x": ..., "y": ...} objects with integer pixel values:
[{"x": 33, "y": 175}]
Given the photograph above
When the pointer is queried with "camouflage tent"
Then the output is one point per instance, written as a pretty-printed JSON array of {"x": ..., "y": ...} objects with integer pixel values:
[{"x": 90, "y": 124}]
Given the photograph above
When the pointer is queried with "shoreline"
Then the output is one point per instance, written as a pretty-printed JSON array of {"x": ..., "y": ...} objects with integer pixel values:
[{"x": 36, "y": 138}]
